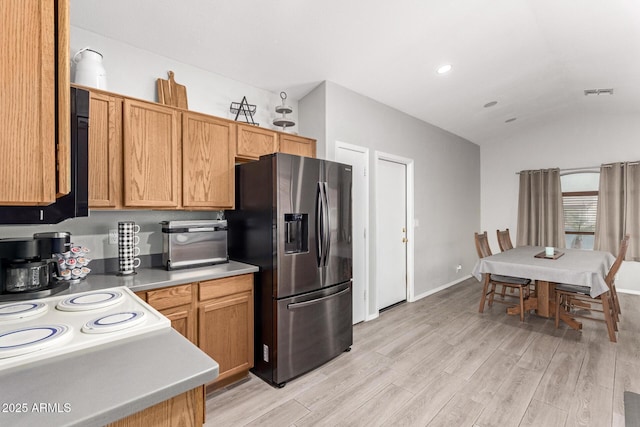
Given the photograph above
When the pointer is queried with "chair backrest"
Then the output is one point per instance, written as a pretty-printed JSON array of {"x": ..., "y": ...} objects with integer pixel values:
[
  {"x": 624, "y": 244},
  {"x": 482, "y": 245},
  {"x": 504, "y": 240}
]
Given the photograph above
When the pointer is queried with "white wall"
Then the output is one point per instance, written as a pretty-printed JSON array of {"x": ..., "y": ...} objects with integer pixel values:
[
  {"x": 447, "y": 172},
  {"x": 134, "y": 72},
  {"x": 580, "y": 142}
]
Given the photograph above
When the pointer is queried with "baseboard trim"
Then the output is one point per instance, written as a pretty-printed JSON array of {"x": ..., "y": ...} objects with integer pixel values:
[
  {"x": 440, "y": 288},
  {"x": 372, "y": 316},
  {"x": 628, "y": 291}
]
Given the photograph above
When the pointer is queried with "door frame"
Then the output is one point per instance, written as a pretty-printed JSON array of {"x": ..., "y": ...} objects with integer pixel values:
[
  {"x": 382, "y": 156},
  {"x": 365, "y": 152}
]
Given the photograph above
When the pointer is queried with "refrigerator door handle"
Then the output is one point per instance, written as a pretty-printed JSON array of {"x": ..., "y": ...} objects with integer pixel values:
[
  {"x": 327, "y": 226},
  {"x": 319, "y": 229},
  {"x": 295, "y": 305}
]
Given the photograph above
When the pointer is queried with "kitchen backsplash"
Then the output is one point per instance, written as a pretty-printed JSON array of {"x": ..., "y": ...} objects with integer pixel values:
[{"x": 93, "y": 231}]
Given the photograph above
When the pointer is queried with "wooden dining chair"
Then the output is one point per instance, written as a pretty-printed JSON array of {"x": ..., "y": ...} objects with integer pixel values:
[
  {"x": 504, "y": 240},
  {"x": 576, "y": 300},
  {"x": 492, "y": 281}
]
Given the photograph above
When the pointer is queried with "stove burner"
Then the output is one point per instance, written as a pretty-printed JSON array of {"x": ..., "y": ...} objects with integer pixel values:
[
  {"x": 27, "y": 340},
  {"x": 114, "y": 322},
  {"x": 90, "y": 301},
  {"x": 22, "y": 310}
]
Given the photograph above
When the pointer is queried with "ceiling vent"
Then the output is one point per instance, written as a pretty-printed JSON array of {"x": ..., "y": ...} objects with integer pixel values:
[{"x": 591, "y": 92}]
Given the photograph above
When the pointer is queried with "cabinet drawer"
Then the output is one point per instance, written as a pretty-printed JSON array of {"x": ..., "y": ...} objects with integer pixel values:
[
  {"x": 170, "y": 297},
  {"x": 226, "y": 286}
]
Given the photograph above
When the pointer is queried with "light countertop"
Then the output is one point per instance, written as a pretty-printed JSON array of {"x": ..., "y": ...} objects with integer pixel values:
[
  {"x": 97, "y": 386},
  {"x": 153, "y": 278},
  {"x": 103, "y": 384}
]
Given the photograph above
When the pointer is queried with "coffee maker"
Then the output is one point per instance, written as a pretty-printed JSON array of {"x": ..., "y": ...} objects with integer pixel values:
[{"x": 28, "y": 269}]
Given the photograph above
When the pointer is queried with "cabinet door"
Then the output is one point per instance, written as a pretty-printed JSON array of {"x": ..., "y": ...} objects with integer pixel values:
[
  {"x": 226, "y": 332},
  {"x": 254, "y": 142},
  {"x": 105, "y": 151},
  {"x": 150, "y": 146},
  {"x": 63, "y": 100},
  {"x": 177, "y": 304},
  {"x": 27, "y": 102},
  {"x": 183, "y": 320},
  {"x": 208, "y": 158},
  {"x": 297, "y": 145}
]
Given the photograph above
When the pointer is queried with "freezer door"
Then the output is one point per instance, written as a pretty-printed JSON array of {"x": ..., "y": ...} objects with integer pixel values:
[{"x": 312, "y": 329}]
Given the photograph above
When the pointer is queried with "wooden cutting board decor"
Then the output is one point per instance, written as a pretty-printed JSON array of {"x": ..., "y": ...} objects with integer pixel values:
[{"x": 172, "y": 93}]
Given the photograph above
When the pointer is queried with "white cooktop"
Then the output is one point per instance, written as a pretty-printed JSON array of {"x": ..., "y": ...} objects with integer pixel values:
[{"x": 38, "y": 329}]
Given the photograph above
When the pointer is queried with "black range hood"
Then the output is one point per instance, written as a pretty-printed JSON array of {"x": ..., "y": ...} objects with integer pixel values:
[{"x": 76, "y": 203}]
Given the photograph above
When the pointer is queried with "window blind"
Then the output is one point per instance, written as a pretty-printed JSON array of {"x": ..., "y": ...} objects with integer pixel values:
[{"x": 580, "y": 213}]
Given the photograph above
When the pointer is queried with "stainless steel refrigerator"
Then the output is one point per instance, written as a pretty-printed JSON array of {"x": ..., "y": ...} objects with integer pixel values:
[{"x": 293, "y": 220}]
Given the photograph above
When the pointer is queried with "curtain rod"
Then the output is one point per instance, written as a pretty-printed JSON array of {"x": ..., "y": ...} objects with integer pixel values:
[
  {"x": 570, "y": 169},
  {"x": 586, "y": 168}
]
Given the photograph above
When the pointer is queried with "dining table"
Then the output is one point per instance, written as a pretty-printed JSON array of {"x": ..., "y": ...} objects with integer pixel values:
[{"x": 567, "y": 265}]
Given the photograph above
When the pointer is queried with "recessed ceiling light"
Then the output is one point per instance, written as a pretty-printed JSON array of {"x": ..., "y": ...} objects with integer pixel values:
[
  {"x": 512, "y": 119},
  {"x": 490, "y": 104},
  {"x": 443, "y": 69}
]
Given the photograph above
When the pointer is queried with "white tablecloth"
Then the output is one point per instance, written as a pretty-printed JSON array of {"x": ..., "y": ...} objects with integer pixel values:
[{"x": 576, "y": 267}]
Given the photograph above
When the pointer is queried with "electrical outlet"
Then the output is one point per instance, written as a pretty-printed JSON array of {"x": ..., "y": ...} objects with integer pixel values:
[
  {"x": 458, "y": 268},
  {"x": 113, "y": 237}
]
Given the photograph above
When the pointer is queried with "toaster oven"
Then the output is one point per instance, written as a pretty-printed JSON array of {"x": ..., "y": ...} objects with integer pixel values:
[{"x": 194, "y": 243}]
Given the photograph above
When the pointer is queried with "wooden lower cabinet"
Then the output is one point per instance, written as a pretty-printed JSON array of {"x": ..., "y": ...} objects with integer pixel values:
[
  {"x": 183, "y": 320},
  {"x": 177, "y": 303},
  {"x": 184, "y": 410},
  {"x": 225, "y": 324}
]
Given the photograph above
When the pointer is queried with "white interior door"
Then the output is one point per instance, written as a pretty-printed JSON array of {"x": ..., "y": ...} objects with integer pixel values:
[
  {"x": 391, "y": 232},
  {"x": 358, "y": 157}
]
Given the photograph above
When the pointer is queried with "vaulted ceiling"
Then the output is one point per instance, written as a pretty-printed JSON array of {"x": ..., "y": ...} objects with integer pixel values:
[{"x": 534, "y": 57}]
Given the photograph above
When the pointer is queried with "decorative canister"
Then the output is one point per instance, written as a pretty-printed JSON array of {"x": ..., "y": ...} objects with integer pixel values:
[{"x": 89, "y": 69}]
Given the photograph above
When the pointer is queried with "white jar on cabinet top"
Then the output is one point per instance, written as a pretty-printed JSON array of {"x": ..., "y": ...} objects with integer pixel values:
[{"x": 89, "y": 69}]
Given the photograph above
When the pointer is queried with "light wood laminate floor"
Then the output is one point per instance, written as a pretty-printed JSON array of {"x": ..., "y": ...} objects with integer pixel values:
[{"x": 438, "y": 362}]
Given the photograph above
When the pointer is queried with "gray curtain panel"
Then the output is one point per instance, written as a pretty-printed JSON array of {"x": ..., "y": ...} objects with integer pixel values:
[
  {"x": 619, "y": 208},
  {"x": 540, "y": 211}
]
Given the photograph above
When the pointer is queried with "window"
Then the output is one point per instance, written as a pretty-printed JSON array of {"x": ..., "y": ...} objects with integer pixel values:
[{"x": 580, "y": 202}]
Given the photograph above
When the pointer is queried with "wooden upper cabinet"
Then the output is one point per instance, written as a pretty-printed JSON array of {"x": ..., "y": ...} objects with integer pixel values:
[
  {"x": 254, "y": 142},
  {"x": 150, "y": 147},
  {"x": 63, "y": 101},
  {"x": 105, "y": 151},
  {"x": 298, "y": 145},
  {"x": 30, "y": 33},
  {"x": 208, "y": 153}
]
